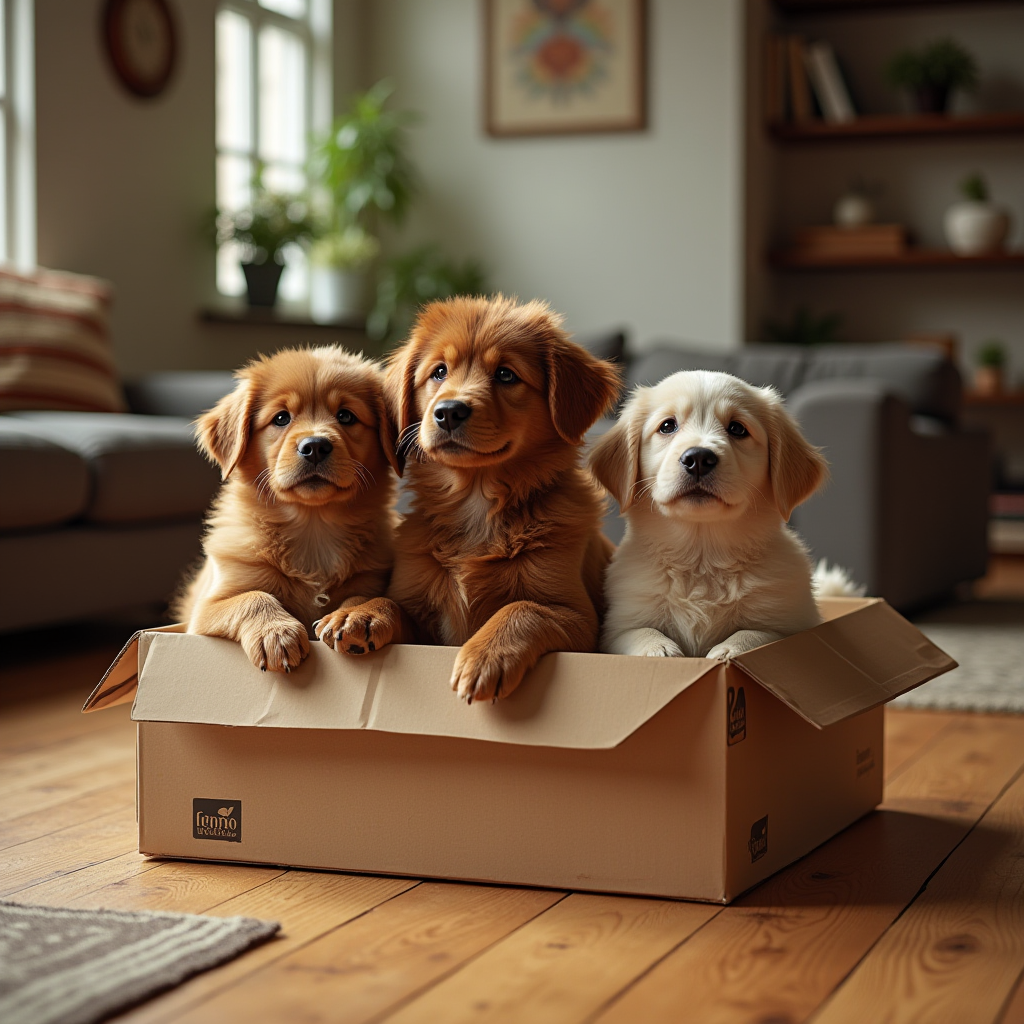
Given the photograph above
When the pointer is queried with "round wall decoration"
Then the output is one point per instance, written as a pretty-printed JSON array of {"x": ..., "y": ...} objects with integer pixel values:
[{"x": 140, "y": 40}]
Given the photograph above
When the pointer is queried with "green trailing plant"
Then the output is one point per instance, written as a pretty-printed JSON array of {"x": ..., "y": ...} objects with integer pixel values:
[
  {"x": 804, "y": 328},
  {"x": 409, "y": 281},
  {"x": 974, "y": 187},
  {"x": 270, "y": 223},
  {"x": 933, "y": 73},
  {"x": 992, "y": 354},
  {"x": 363, "y": 163}
]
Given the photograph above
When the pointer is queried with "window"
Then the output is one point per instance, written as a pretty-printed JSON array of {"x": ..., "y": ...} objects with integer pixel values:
[
  {"x": 273, "y": 89},
  {"x": 17, "y": 134}
]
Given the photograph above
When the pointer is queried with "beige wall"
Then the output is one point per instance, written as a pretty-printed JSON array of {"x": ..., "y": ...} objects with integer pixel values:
[
  {"x": 123, "y": 183},
  {"x": 640, "y": 229}
]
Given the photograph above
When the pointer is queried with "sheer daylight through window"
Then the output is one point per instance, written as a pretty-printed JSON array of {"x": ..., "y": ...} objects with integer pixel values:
[{"x": 265, "y": 56}]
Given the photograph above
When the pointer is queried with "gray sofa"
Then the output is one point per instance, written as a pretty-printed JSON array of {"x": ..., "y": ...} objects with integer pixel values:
[
  {"x": 906, "y": 511},
  {"x": 101, "y": 512}
]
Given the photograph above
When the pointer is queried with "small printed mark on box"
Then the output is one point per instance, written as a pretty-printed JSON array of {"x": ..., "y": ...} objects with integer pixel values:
[
  {"x": 736, "y": 701},
  {"x": 865, "y": 761},
  {"x": 220, "y": 820},
  {"x": 758, "y": 844}
]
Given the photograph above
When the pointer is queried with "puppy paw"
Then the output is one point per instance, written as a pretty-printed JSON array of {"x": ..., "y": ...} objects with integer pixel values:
[
  {"x": 485, "y": 674},
  {"x": 646, "y": 643},
  {"x": 279, "y": 647},
  {"x": 358, "y": 630},
  {"x": 740, "y": 642}
]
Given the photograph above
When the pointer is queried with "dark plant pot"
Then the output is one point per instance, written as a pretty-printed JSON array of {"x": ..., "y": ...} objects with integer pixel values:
[
  {"x": 932, "y": 99},
  {"x": 261, "y": 281}
]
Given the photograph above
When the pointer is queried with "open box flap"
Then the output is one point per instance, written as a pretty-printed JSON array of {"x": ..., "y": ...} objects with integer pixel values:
[
  {"x": 121, "y": 680},
  {"x": 404, "y": 689},
  {"x": 864, "y": 657}
]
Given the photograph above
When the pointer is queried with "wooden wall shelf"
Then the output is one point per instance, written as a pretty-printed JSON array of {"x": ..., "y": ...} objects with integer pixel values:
[
  {"x": 896, "y": 126},
  {"x": 912, "y": 259}
]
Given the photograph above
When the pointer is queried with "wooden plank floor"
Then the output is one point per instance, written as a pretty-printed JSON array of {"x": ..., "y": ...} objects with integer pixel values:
[{"x": 915, "y": 913}]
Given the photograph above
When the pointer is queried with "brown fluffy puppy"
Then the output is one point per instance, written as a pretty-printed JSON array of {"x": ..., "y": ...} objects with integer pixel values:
[
  {"x": 502, "y": 552},
  {"x": 304, "y": 520}
]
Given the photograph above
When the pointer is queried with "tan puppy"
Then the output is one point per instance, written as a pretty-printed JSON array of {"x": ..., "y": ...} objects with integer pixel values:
[
  {"x": 707, "y": 470},
  {"x": 502, "y": 552},
  {"x": 304, "y": 521}
]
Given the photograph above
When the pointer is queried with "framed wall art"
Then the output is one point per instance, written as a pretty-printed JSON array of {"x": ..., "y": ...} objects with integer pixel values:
[{"x": 564, "y": 66}]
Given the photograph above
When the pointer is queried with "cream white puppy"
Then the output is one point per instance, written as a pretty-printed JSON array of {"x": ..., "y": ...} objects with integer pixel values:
[{"x": 707, "y": 470}]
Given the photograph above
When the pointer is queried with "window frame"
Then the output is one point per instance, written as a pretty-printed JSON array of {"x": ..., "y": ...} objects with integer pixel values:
[
  {"x": 314, "y": 31},
  {"x": 17, "y": 101}
]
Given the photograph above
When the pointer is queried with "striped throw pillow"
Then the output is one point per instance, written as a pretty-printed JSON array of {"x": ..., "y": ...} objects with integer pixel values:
[{"x": 55, "y": 350}]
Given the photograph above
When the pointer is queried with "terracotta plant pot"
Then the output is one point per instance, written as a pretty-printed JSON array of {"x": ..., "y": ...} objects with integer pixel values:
[
  {"x": 988, "y": 380},
  {"x": 261, "y": 281}
]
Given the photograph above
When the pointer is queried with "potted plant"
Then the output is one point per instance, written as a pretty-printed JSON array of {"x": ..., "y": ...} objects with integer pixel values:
[
  {"x": 932, "y": 74},
  {"x": 362, "y": 176},
  {"x": 338, "y": 261},
  {"x": 975, "y": 225},
  {"x": 988, "y": 374},
  {"x": 805, "y": 328},
  {"x": 417, "y": 277},
  {"x": 265, "y": 228}
]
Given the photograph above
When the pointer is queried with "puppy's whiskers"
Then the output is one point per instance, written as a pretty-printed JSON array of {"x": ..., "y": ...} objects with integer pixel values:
[{"x": 263, "y": 487}]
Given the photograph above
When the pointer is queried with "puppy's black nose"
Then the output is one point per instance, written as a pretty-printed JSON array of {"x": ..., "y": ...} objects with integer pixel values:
[
  {"x": 450, "y": 414},
  {"x": 315, "y": 449},
  {"x": 698, "y": 462}
]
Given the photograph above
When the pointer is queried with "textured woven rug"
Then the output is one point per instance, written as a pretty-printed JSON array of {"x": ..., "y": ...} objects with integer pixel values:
[
  {"x": 991, "y": 673},
  {"x": 80, "y": 966}
]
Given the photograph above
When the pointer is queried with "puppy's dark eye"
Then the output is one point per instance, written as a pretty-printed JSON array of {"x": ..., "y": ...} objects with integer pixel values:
[
  {"x": 503, "y": 375},
  {"x": 282, "y": 419},
  {"x": 440, "y": 373},
  {"x": 736, "y": 429},
  {"x": 345, "y": 417},
  {"x": 668, "y": 427}
]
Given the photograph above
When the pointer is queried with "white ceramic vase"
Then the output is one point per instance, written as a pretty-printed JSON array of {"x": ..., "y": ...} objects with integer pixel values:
[
  {"x": 973, "y": 227},
  {"x": 853, "y": 210},
  {"x": 337, "y": 294}
]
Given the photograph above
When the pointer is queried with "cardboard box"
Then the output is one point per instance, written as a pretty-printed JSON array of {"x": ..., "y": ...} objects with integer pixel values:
[{"x": 677, "y": 777}]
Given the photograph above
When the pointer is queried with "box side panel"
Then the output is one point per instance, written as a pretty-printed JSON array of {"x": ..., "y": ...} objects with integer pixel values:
[
  {"x": 645, "y": 817},
  {"x": 789, "y": 785}
]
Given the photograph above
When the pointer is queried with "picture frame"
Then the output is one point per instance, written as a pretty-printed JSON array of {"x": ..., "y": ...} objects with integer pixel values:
[{"x": 560, "y": 67}]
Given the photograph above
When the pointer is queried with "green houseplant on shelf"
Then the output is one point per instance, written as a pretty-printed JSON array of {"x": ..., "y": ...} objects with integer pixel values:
[
  {"x": 932, "y": 74},
  {"x": 975, "y": 225},
  {"x": 362, "y": 176},
  {"x": 990, "y": 360},
  {"x": 265, "y": 228}
]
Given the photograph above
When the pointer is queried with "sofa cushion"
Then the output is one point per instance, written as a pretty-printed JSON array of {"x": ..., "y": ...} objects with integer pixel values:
[
  {"x": 55, "y": 350},
  {"x": 777, "y": 366},
  {"x": 923, "y": 377},
  {"x": 144, "y": 468},
  {"x": 43, "y": 484},
  {"x": 178, "y": 393},
  {"x": 665, "y": 359}
]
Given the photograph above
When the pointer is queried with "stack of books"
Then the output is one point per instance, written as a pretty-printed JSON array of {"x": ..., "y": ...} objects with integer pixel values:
[
  {"x": 828, "y": 242},
  {"x": 803, "y": 82}
]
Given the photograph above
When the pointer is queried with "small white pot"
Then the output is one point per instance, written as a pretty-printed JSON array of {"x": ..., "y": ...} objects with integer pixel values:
[
  {"x": 336, "y": 294},
  {"x": 974, "y": 227},
  {"x": 853, "y": 210}
]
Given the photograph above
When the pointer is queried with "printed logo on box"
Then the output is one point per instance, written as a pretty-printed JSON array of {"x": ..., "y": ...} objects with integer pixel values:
[
  {"x": 736, "y": 701},
  {"x": 758, "y": 844},
  {"x": 217, "y": 819},
  {"x": 865, "y": 761}
]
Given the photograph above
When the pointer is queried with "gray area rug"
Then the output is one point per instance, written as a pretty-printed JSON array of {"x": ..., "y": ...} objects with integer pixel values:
[
  {"x": 991, "y": 673},
  {"x": 80, "y": 966}
]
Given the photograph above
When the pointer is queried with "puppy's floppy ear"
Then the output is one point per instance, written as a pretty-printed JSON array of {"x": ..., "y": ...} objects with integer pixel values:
[
  {"x": 400, "y": 400},
  {"x": 580, "y": 387},
  {"x": 388, "y": 433},
  {"x": 795, "y": 467},
  {"x": 223, "y": 433},
  {"x": 615, "y": 458}
]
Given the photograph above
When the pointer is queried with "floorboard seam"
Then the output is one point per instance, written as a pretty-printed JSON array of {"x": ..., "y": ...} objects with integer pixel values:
[
  {"x": 412, "y": 997},
  {"x": 914, "y": 758}
]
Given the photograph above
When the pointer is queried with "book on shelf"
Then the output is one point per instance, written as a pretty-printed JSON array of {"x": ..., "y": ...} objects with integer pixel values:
[
  {"x": 829, "y": 241},
  {"x": 827, "y": 82},
  {"x": 801, "y": 101}
]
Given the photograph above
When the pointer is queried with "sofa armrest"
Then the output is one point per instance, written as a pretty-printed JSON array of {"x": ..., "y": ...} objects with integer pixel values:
[
  {"x": 906, "y": 509},
  {"x": 178, "y": 393}
]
